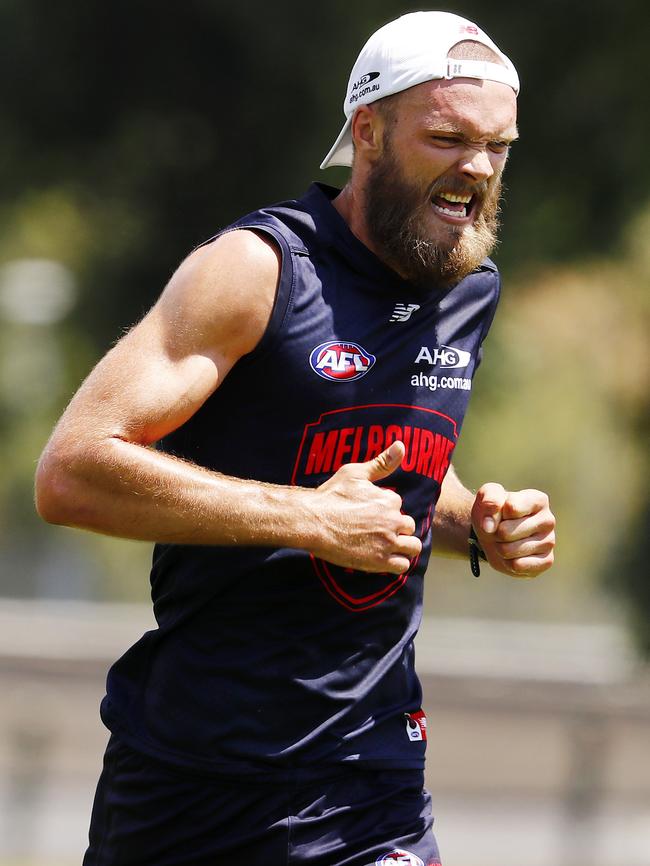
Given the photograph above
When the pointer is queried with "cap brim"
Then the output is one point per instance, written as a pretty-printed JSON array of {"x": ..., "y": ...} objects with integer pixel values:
[{"x": 343, "y": 150}]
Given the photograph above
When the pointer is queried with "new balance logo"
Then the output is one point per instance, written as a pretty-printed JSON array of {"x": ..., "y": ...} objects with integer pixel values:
[{"x": 403, "y": 312}]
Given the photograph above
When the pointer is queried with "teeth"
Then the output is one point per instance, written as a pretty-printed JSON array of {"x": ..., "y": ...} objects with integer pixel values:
[
  {"x": 454, "y": 213},
  {"x": 465, "y": 199}
]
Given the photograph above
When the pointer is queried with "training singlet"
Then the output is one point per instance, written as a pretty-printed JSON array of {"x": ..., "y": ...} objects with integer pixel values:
[{"x": 268, "y": 659}]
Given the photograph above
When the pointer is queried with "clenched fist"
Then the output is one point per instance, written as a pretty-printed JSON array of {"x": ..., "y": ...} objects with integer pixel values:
[{"x": 516, "y": 529}]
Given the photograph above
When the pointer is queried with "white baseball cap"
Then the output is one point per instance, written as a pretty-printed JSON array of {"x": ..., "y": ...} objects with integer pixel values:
[{"x": 406, "y": 52}]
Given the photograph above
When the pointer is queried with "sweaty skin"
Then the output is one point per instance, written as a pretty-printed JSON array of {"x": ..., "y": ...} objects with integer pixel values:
[{"x": 98, "y": 472}]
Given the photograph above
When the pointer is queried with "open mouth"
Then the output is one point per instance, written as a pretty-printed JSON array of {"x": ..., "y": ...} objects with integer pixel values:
[{"x": 453, "y": 206}]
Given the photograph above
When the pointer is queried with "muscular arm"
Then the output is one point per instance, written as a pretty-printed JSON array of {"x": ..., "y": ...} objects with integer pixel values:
[
  {"x": 99, "y": 472},
  {"x": 516, "y": 529}
]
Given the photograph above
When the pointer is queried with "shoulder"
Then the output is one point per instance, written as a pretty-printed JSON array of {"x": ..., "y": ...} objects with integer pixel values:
[
  {"x": 488, "y": 265},
  {"x": 223, "y": 292},
  {"x": 236, "y": 259},
  {"x": 486, "y": 279}
]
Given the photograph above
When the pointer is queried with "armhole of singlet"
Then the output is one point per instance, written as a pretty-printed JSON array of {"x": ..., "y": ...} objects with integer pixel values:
[
  {"x": 489, "y": 318},
  {"x": 284, "y": 292}
]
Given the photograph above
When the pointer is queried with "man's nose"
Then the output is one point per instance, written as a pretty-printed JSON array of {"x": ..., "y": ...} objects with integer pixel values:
[{"x": 476, "y": 164}]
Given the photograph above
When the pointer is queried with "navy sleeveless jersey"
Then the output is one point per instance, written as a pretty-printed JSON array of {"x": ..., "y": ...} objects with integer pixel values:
[{"x": 270, "y": 659}]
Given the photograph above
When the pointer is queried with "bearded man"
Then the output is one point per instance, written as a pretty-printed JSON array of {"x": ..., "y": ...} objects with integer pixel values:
[{"x": 305, "y": 375}]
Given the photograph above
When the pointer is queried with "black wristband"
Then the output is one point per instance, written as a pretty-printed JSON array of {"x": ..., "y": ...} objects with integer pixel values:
[{"x": 476, "y": 553}]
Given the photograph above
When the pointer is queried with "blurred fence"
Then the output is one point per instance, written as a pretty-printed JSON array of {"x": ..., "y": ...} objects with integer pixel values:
[{"x": 539, "y": 736}]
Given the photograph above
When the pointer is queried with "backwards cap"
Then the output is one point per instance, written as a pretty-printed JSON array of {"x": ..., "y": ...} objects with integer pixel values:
[{"x": 406, "y": 52}]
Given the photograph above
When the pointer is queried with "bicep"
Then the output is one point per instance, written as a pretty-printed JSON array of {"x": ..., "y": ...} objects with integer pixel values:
[
  {"x": 214, "y": 310},
  {"x": 139, "y": 392}
]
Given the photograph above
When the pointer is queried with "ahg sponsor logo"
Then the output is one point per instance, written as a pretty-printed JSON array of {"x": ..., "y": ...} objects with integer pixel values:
[
  {"x": 433, "y": 382},
  {"x": 443, "y": 356},
  {"x": 365, "y": 79},
  {"x": 362, "y": 87},
  {"x": 341, "y": 361}
]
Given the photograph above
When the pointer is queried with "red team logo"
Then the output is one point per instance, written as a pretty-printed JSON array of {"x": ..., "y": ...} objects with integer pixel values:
[
  {"x": 416, "y": 726},
  {"x": 399, "y": 857},
  {"x": 341, "y": 361},
  {"x": 356, "y": 434}
]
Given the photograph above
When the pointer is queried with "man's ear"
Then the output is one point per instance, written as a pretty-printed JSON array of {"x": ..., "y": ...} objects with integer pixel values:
[{"x": 367, "y": 132}]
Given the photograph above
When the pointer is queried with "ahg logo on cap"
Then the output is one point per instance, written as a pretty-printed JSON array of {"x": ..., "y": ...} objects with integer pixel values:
[{"x": 362, "y": 83}]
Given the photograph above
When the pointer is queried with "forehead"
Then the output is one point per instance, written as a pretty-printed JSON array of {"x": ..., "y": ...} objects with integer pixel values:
[{"x": 479, "y": 109}]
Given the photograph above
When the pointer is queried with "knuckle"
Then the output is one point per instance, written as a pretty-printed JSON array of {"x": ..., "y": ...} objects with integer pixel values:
[
  {"x": 393, "y": 565},
  {"x": 492, "y": 494},
  {"x": 503, "y": 531},
  {"x": 547, "y": 536},
  {"x": 538, "y": 497},
  {"x": 550, "y": 542},
  {"x": 519, "y": 566},
  {"x": 546, "y": 517},
  {"x": 409, "y": 545},
  {"x": 381, "y": 462},
  {"x": 345, "y": 470},
  {"x": 407, "y": 525},
  {"x": 396, "y": 499},
  {"x": 531, "y": 567}
]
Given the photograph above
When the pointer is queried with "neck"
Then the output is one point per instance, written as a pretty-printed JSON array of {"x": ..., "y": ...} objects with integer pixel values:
[{"x": 350, "y": 204}]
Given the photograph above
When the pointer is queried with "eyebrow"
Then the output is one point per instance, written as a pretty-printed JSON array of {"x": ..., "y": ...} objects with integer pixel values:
[{"x": 451, "y": 129}]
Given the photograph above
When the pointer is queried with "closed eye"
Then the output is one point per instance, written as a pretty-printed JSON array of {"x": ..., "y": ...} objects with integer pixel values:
[
  {"x": 447, "y": 140},
  {"x": 498, "y": 146}
]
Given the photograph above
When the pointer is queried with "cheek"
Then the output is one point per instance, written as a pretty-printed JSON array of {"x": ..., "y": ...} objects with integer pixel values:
[
  {"x": 423, "y": 163},
  {"x": 438, "y": 162},
  {"x": 498, "y": 163}
]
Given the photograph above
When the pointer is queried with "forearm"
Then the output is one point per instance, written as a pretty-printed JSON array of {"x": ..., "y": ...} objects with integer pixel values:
[
  {"x": 124, "y": 489},
  {"x": 452, "y": 520}
]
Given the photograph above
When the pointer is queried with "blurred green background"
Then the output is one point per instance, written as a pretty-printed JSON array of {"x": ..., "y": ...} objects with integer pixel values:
[{"x": 131, "y": 131}]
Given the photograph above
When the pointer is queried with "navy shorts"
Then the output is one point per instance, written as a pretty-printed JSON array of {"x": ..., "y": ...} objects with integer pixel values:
[{"x": 147, "y": 813}]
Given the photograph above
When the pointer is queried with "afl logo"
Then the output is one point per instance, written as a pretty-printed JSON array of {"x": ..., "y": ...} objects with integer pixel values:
[
  {"x": 399, "y": 857},
  {"x": 341, "y": 361}
]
